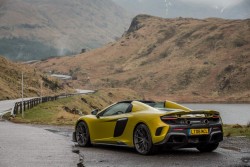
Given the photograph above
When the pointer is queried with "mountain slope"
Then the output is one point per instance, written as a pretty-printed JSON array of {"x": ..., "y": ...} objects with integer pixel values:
[
  {"x": 183, "y": 59},
  {"x": 11, "y": 76},
  {"x": 39, "y": 29}
]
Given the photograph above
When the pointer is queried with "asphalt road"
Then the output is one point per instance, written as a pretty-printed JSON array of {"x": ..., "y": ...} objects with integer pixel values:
[
  {"x": 26, "y": 146},
  {"x": 116, "y": 156},
  {"x": 29, "y": 145},
  {"x": 7, "y": 105}
]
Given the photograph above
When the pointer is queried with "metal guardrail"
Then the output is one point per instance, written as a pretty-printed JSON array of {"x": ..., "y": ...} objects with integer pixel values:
[{"x": 28, "y": 104}]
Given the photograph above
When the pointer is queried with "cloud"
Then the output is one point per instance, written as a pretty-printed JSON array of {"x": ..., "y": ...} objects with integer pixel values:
[
  {"x": 215, "y": 3},
  {"x": 2, "y": 2},
  {"x": 140, "y": 1}
]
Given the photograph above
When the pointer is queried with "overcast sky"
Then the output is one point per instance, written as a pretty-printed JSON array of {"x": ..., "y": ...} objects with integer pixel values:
[
  {"x": 223, "y": 4},
  {"x": 232, "y": 9},
  {"x": 220, "y": 3}
]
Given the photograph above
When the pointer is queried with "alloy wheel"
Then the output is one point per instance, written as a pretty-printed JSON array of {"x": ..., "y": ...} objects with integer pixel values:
[
  {"x": 82, "y": 134},
  {"x": 142, "y": 139}
]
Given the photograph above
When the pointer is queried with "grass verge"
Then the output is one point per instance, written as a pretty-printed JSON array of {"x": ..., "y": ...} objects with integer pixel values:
[{"x": 236, "y": 130}]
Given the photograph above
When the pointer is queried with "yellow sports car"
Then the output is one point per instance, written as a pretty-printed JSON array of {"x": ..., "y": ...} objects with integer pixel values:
[{"x": 146, "y": 125}]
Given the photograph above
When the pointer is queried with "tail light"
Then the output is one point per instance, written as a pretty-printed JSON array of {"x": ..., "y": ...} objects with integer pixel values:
[
  {"x": 169, "y": 119},
  {"x": 216, "y": 116}
]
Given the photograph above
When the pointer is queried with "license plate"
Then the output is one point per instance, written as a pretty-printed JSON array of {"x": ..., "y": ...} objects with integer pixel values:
[{"x": 198, "y": 131}]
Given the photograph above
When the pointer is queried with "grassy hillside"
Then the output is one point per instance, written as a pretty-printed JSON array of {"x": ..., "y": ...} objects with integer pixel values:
[
  {"x": 11, "y": 76},
  {"x": 182, "y": 59}
]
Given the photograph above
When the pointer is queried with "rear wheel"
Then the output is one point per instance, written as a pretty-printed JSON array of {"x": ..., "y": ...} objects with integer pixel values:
[
  {"x": 208, "y": 147},
  {"x": 82, "y": 134},
  {"x": 143, "y": 140}
]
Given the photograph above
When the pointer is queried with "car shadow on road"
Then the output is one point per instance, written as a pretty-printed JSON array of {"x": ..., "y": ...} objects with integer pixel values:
[
  {"x": 108, "y": 148},
  {"x": 160, "y": 151}
]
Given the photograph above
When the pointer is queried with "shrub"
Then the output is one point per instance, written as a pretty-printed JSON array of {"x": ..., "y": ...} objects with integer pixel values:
[
  {"x": 228, "y": 134},
  {"x": 248, "y": 124}
]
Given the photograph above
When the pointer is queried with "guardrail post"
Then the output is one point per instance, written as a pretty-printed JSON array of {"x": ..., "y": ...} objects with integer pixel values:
[
  {"x": 24, "y": 105},
  {"x": 15, "y": 109},
  {"x": 21, "y": 106}
]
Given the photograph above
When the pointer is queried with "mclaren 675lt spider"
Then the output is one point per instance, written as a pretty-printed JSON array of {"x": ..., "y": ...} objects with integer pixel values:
[{"x": 146, "y": 125}]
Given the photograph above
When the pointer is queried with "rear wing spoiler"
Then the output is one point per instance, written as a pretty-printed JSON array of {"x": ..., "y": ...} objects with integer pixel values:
[
  {"x": 173, "y": 105},
  {"x": 182, "y": 110},
  {"x": 206, "y": 112}
]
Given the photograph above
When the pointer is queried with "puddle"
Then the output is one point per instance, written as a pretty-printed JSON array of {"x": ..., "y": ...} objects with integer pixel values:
[
  {"x": 246, "y": 160},
  {"x": 231, "y": 148},
  {"x": 67, "y": 134},
  {"x": 52, "y": 130},
  {"x": 103, "y": 161}
]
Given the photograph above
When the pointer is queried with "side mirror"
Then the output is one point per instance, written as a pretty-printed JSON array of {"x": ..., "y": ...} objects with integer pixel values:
[{"x": 94, "y": 112}]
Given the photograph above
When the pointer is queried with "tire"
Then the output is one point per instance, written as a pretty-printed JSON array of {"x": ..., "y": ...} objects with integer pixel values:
[
  {"x": 208, "y": 147},
  {"x": 143, "y": 140},
  {"x": 82, "y": 135}
]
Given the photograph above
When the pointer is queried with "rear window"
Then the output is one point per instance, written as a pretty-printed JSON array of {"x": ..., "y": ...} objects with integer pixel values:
[
  {"x": 159, "y": 105},
  {"x": 156, "y": 104}
]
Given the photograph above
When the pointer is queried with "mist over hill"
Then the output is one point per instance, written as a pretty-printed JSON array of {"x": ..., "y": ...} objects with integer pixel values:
[{"x": 37, "y": 29}]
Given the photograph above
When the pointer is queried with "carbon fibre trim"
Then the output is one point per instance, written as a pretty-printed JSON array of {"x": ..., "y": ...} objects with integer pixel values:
[{"x": 120, "y": 126}]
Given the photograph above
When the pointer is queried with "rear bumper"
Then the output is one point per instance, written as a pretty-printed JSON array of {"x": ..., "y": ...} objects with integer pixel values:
[
  {"x": 182, "y": 138},
  {"x": 74, "y": 136}
]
